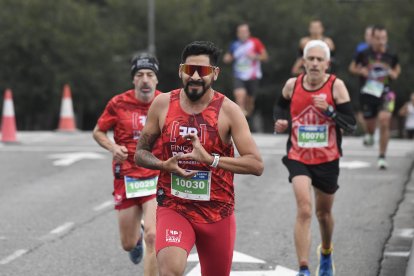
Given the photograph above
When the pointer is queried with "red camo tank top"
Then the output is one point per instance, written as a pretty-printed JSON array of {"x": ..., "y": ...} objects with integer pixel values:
[
  {"x": 313, "y": 137},
  {"x": 210, "y": 198},
  {"x": 126, "y": 115}
]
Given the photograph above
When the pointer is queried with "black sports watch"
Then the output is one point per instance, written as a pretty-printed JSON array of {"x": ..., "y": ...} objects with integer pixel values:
[{"x": 330, "y": 111}]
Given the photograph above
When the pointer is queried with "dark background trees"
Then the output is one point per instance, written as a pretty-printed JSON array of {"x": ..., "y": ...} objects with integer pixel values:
[{"x": 88, "y": 44}]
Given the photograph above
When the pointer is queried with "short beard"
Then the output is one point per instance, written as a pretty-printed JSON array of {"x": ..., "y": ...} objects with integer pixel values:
[{"x": 194, "y": 95}]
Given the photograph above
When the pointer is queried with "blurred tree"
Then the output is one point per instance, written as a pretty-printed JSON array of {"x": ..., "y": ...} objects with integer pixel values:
[{"x": 89, "y": 43}]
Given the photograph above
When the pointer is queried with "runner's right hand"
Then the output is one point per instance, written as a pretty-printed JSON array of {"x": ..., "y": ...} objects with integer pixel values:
[
  {"x": 281, "y": 125},
  {"x": 171, "y": 165},
  {"x": 119, "y": 153}
]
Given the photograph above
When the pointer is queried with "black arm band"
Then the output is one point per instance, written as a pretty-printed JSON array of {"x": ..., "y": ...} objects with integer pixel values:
[
  {"x": 344, "y": 117},
  {"x": 281, "y": 109}
]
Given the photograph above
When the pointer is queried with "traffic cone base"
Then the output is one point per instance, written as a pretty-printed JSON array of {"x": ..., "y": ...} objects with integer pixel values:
[
  {"x": 67, "y": 124},
  {"x": 8, "y": 130},
  {"x": 8, "y": 120}
]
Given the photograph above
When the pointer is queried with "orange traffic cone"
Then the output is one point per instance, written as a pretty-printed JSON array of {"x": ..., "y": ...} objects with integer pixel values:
[
  {"x": 67, "y": 118},
  {"x": 8, "y": 121}
]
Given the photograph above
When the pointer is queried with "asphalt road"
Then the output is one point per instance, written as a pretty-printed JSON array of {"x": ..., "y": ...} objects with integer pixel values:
[{"x": 56, "y": 214}]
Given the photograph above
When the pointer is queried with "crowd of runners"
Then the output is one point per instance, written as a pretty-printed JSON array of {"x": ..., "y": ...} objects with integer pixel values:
[{"x": 173, "y": 152}]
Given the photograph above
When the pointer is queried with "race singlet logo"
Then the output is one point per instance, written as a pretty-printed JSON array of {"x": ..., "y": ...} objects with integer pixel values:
[
  {"x": 138, "y": 122},
  {"x": 176, "y": 128}
]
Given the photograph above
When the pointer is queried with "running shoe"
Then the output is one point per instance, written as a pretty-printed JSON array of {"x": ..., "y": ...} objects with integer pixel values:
[
  {"x": 368, "y": 140},
  {"x": 303, "y": 272},
  {"x": 135, "y": 255},
  {"x": 382, "y": 164},
  {"x": 326, "y": 265}
]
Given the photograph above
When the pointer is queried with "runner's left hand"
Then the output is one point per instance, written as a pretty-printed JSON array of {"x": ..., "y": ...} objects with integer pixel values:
[
  {"x": 198, "y": 153},
  {"x": 320, "y": 103}
]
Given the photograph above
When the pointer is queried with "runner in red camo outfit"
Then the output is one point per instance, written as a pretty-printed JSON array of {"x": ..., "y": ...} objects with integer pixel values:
[
  {"x": 195, "y": 192},
  {"x": 134, "y": 186}
]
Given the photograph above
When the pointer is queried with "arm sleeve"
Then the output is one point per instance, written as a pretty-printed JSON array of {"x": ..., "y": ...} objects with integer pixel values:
[
  {"x": 281, "y": 109},
  {"x": 300, "y": 52},
  {"x": 344, "y": 117}
]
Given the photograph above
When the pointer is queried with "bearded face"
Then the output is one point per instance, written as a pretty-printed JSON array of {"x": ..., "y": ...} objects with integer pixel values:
[
  {"x": 196, "y": 89},
  {"x": 197, "y": 76}
]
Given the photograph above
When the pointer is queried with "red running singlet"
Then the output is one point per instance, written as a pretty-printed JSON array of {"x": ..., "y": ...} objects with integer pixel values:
[
  {"x": 314, "y": 137},
  {"x": 126, "y": 115},
  {"x": 209, "y": 197}
]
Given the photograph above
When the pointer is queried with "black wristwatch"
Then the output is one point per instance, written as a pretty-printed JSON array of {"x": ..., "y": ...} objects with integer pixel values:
[{"x": 330, "y": 111}]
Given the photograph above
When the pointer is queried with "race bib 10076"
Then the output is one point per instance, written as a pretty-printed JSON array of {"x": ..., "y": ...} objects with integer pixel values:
[{"x": 315, "y": 136}]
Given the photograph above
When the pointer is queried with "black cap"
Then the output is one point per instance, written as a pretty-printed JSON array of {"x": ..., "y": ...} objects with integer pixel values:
[{"x": 144, "y": 61}]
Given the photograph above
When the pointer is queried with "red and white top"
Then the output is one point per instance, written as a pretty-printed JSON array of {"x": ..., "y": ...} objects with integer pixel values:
[
  {"x": 244, "y": 67},
  {"x": 313, "y": 138}
]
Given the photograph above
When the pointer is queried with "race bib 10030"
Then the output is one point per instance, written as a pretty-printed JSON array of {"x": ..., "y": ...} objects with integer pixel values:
[{"x": 195, "y": 188}]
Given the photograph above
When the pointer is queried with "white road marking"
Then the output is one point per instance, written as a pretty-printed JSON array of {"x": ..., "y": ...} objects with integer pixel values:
[
  {"x": 356, "y": 164},
  {"x": 62, "y": 228},
  {"x": 407, "y": 233},
  {"x": 12, "y": 257},
  {"x": 237, "y": 258},
  {"x": 404, "y": 254},
  {"x": 243, "y": 258},
  {"x": 196, "y": 271},
  {"x": 279, "y": 271},
  {"x": 66, "y": 159},
  {"x": 104, "y": 205}
]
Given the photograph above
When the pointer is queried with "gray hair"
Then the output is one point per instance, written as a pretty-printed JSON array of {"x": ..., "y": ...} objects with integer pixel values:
[{"x": 317, "y": 43}]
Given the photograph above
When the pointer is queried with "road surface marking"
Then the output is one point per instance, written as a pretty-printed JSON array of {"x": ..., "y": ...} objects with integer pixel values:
[
  {"x": 12, "y": 257},
  {"x": 279, "y": 271},
  {"x": 243, "y": 258},
  {"x": 355, "y": 164},
  {"x": 67, "y": 159},
  {"x": 237, "y": 258},
  {"x": 404, "y": 254},
  {"x": 407, "y": 233},
  {"x": 104, "y": 205},
  {"x": 62, "y": 228}
]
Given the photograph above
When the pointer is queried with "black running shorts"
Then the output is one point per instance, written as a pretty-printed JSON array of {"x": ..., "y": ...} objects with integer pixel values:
[
  {"x": 323, "y": 176},
  {"x": 371, "y": 106},
  {"x": 251, "y": 86}
]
